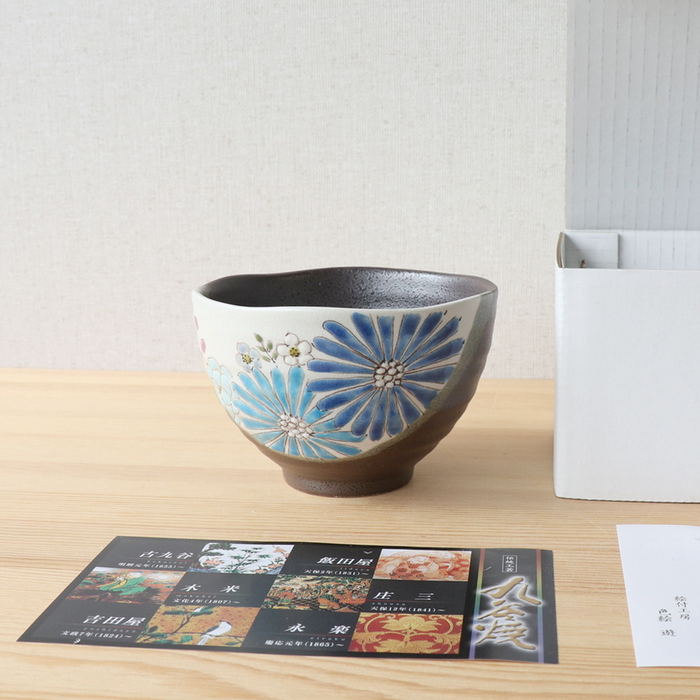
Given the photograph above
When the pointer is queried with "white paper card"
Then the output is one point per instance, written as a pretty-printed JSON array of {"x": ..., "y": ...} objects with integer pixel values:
[{"x": 661, "y": 565}]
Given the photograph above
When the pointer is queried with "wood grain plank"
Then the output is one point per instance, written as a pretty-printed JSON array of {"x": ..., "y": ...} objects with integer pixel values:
[{"x": 87, "y": 456}]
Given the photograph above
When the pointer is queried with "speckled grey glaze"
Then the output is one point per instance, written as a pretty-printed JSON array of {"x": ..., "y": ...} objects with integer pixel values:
[
  {"x": 352, "y": 432},
  {"x": 346, "y": 287}
]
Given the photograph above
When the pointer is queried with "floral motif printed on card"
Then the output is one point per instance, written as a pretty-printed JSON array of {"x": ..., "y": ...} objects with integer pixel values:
[
  {"x": 407, "y": 634},
  {"x": 236, "y": 558}
]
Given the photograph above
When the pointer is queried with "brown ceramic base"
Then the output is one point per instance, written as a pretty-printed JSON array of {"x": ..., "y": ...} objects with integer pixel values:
[
  {"x": 399, "y": 477},
  {"x": 385, "y": 469}
]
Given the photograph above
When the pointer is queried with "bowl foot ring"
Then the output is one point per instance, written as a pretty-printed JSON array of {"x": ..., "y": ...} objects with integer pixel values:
[{"x": 397, "y": 478}]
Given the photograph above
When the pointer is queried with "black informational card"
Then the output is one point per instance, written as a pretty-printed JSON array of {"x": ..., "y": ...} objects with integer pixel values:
[{"x": 310, "y": 598}]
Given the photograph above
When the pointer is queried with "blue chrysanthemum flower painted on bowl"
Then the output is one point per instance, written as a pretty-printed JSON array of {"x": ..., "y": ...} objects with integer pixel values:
[
  {"x": 279, "y": 412},
  {"x": 385, "y": 377},
  {"x": 346, "y": 377}
]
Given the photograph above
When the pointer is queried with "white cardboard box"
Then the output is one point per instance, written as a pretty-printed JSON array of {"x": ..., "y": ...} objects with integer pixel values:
[
  {"x": 628, "y": 366},
  {"x": 627, "y": 423}
]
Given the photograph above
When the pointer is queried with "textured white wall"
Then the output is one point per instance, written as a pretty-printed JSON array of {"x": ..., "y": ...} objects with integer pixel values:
[
  {"x": 634, "y": 132},
  {"x": 148, "y": 147}
]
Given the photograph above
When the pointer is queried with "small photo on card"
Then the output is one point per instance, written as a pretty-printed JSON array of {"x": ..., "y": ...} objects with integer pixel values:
[
  {"x": 109, "y": 585},
  {"x": 339, "y": 593},
  {"x": 424, "y": 565},
  {"x": 199, "y": 625},
  {"x": 408, "y": 634},
  {"x": 240, "y": 558}
]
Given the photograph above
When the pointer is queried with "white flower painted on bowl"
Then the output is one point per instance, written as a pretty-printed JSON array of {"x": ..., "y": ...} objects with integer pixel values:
[
  {"x": 295, "y": 352},
  {"x": 247, "y": 357}
]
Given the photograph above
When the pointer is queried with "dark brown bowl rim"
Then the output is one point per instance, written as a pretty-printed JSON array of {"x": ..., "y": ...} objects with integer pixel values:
[{"x": 461, "y": 287}]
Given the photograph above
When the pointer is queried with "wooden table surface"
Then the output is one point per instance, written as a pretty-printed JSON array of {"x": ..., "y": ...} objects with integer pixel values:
[{"x": 86, "y": 456}]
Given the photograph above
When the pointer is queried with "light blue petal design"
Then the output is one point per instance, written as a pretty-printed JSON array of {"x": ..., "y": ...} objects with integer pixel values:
[
  {"x": 331, "y": 433},
  {"x": 314, "y": 415},
  {"x": 280, "y": 389},
  {"x": 279, "y": 445},
  {"x": 253, "y": 424},
  {"x": 280, "y": 413},
  {"x": 266, "y": 388},
  {"x": 296, "y": 384},
  {"x": 257, "y": 400},
  {"x": 293, "y": 448},
  {"x": 347, "y": 450},
  {"x": 322, "y": 453},
  {"x": 268, "y": 436},
  {"x": 253, "y": 412},
  {"x": 306, "y": 399},
  {"x": 307, "y": 451},
  {"x": 254, "y": 390}
]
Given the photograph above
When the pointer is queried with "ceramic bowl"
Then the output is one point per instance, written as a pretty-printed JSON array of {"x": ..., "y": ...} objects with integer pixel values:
[{"x": 345, "y": 377}]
